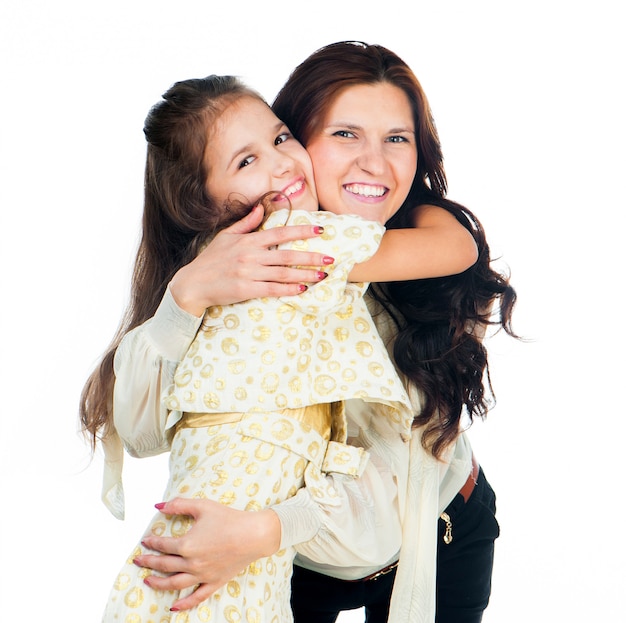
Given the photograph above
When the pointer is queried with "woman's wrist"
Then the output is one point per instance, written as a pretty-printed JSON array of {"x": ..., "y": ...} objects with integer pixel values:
[
  {"x": 184, "y": 296},
  {"x": 172, "y": 329},
  {"x": 267, "y": 531}
]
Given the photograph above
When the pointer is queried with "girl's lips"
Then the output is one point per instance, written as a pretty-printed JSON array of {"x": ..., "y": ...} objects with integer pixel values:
[{"x": 294, "y": 189}]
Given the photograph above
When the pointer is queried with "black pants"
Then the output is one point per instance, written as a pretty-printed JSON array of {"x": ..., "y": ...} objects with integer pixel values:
[{"x": 463, "y": 572}]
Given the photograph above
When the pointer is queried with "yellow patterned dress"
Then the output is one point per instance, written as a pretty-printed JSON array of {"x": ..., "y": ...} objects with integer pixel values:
[{"x": 257, "y": 410}]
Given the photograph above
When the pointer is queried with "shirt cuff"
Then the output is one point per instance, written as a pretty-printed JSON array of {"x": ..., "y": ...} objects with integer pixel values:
[
  {"x": 299, "y": 522},
  {"x": 172, "y": 329}
]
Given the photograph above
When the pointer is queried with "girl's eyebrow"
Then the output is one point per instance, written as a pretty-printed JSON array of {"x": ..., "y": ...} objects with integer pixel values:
[
  {"x": 239, "y": 153},
  {"x": 250, "y": 146}
]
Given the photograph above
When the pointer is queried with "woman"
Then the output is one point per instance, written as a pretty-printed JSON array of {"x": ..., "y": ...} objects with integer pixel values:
[{"x": 435, "y": 329}]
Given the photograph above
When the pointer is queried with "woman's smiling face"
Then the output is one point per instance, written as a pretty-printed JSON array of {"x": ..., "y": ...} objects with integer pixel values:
[{"x": 364, "y": 153}]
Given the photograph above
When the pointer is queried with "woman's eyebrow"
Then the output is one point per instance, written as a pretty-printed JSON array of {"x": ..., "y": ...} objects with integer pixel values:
[{"x": 354, "y": 126}]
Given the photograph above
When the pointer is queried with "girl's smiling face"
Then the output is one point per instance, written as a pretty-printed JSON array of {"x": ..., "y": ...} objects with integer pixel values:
[
  {"x": 364, "y": 153},
  {"x": 250, "y": 152}
]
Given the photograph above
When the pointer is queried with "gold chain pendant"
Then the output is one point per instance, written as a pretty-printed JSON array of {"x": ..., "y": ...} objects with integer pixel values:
[{"x": 447, "y": 537}]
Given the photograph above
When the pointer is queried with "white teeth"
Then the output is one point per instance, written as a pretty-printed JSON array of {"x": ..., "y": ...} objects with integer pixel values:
[
  {"x": 294, "y": 188},
  {"x": 366, "y": 190}
]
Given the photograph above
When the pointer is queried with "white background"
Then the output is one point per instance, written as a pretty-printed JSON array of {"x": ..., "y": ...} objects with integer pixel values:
[{"x": 529, "y": 101}]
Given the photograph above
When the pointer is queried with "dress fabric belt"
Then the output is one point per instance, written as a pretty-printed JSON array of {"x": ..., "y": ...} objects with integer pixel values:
[{"x": 316, "y": 417}]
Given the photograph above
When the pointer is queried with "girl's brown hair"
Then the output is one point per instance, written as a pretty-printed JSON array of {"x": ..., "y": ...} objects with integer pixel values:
[{"x": 178, "y": 216}]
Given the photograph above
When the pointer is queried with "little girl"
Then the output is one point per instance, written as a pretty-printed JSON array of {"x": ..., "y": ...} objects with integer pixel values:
[{"x": 255, "y": 410}]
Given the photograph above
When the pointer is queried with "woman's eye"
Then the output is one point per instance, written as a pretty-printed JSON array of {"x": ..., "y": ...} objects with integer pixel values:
[
  {"x": 397, "y": 139},
  {"x": 245, "y": 162},
  {"x": 281, "y": 138},
  {"x": 344, "y": 134}
]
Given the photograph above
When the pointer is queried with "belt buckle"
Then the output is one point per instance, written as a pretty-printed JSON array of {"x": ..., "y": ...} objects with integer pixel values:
[{"x": 384, "y": 571}]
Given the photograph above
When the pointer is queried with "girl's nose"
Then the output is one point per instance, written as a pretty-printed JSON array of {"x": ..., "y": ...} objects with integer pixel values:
[{"x": 281, "y": 164}]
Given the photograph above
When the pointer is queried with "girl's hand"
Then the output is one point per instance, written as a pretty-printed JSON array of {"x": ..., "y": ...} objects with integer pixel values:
[
  {"x": 221, "y": 542},
  {"x": 240, "y": 264}
]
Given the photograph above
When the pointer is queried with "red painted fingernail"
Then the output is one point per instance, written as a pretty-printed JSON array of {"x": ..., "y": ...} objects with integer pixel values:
[
  {"x": 328, "y": 260},
  {"x": 302, "y": 288},
  {"x": 174, "y": 609},
  {"x": 321, "y": 275},
  {"x": 160, "y": 505},
  {"x": 318, "y": 229}
]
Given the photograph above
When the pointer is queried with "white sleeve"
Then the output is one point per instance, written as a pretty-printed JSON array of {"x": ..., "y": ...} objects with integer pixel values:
[
  {"x": 360, "y": 527},
  {"x": 145, "y": 363}
]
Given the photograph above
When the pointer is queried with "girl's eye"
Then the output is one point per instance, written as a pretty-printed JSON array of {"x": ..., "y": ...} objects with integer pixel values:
[
  {"x": 397, "y": 139},
  {"x": 281, "y": 138},
  {"x": 245, "y": 162},
  {"x": 344, "y": 134}
]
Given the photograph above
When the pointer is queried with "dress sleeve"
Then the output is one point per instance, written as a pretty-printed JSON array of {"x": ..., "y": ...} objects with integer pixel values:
[{"x": 350, "y": 240}]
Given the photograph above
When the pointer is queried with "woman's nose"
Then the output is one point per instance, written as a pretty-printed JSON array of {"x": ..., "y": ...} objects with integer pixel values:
[{"x": 371, "y": 159}]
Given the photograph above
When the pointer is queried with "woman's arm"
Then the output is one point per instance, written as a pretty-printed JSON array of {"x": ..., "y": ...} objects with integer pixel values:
[
  {"x": 237, "y": 265},
  {"x": 145, "y": 364},
  {"x": 438, "y": 246},
  {"x": 241, "y": 264},
  {"x": 360, "y": 528},
  {"x": 221, "y": 542}
]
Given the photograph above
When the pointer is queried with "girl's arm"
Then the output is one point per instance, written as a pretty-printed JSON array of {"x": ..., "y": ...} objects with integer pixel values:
[{"x": 437, "y": 246}]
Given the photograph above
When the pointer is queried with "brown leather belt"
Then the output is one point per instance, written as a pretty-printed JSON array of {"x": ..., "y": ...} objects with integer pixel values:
[
  {"x": 467, "y": 489},
  {"x": 377, "y": 574}
]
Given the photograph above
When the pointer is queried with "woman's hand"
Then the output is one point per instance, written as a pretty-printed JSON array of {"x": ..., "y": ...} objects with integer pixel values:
[
  {"x": 221, "y": 542},
  {"x": 240, "y": 264}
]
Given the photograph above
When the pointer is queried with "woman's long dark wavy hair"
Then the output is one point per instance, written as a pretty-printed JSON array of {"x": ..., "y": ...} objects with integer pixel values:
[
  {"x": 440, "y": 321},
  {"x": 178, "y": 216}
]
